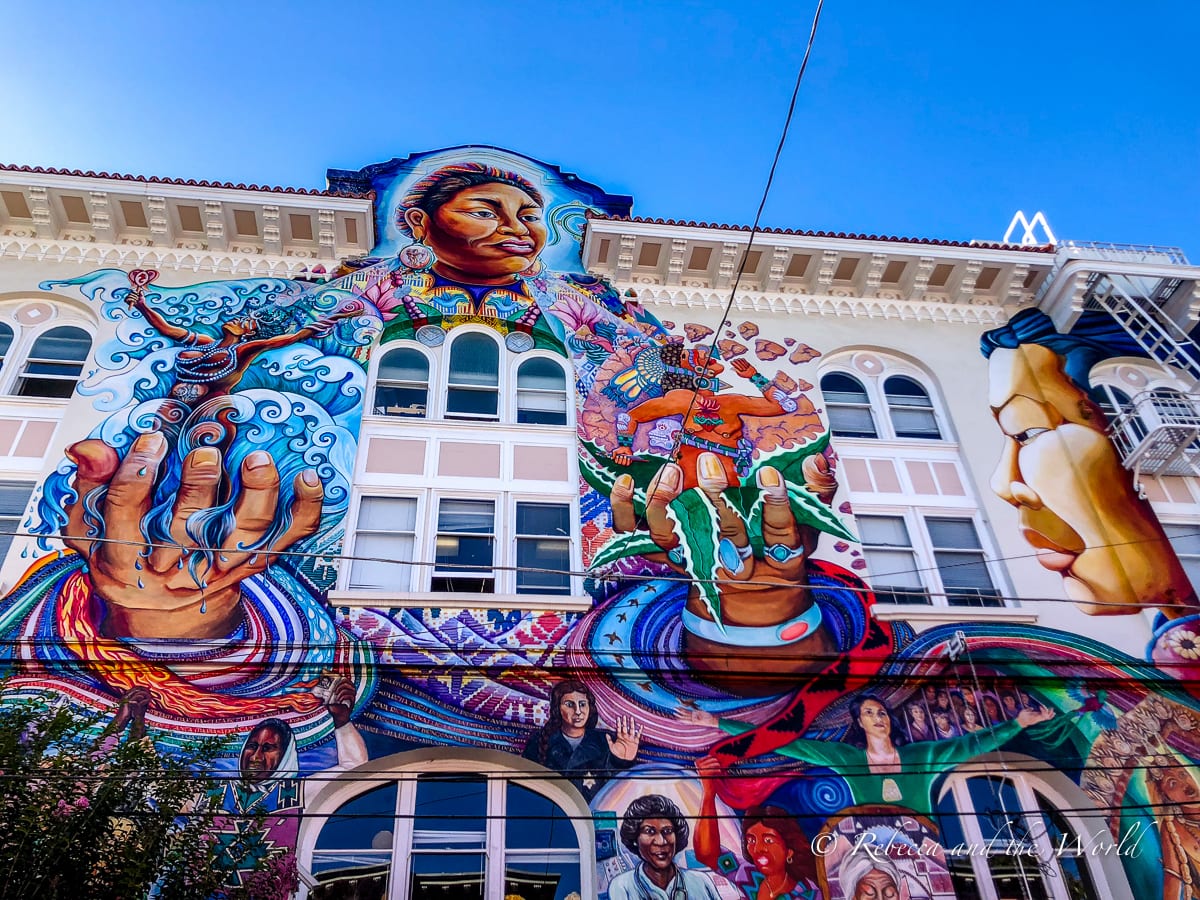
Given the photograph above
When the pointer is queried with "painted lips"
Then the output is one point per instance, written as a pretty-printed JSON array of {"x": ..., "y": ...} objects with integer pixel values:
[{"x": 520, "y": 248}]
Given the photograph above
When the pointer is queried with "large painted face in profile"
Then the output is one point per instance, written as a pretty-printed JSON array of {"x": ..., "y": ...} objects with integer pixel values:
[
  {"x": 485, "y": 234},
  {"x": 1077, "y": 505}
]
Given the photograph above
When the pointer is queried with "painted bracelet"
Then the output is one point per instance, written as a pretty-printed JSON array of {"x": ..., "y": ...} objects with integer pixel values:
[{"x": 781, "y": 635}]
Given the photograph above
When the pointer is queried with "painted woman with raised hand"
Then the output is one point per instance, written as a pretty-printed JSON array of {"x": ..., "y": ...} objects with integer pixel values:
[
  {"x": 877, "y": 763},
  {"x": 572, "y": 743}
]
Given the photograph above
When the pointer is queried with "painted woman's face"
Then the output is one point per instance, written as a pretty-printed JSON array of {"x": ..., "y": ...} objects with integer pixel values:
[
  {"x": 261, "y": 753},
  {"x": 874, "y": 719},
  {"x": 656, "y": 843},
  {"x": 484, "y": 234},
  {"x": 766, "y": 849},
  {"x": 876, "y": 885},
  {"x": 574, "y": 709}
]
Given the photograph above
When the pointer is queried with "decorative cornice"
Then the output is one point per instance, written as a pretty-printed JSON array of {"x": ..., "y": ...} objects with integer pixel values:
[
  {"x": 129, "y": 256},
  {"x": 843, "y": 235},
  {"x": 185, "y": 182},
  {"x": 823, "y": 305}
]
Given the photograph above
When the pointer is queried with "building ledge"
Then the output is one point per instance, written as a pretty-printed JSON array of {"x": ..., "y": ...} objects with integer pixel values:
[
  {"x": 457, "y": 600},
  {"x": 951, "y": 615}
]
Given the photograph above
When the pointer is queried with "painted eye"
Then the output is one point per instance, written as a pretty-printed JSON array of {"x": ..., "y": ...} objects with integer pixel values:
[{"x": 1024, "y": 437}]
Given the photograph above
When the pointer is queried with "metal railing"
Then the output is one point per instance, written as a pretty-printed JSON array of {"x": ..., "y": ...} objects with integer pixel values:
[
  {"x": 1159, "y": 433},
  {"x": 1122, "y": 252}
]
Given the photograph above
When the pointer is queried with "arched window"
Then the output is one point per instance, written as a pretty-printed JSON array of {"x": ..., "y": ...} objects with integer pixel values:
[
  {"x": 910, "y": 409},
  {"x": 6, "y": 339},
  {"x": 448, "y": 834},
  {"x": 541, "y": 393},
  {"x": 55, "y": 363},
  {"x": 847, "y": 406},
  {"x": 1022, "y": 845},
  {"x": 402, "y": 384},
  {"x": 473, "y": 384}
]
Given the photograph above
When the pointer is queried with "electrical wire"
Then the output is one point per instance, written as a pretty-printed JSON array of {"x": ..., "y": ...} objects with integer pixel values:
[{"x": 676, "y": 442}]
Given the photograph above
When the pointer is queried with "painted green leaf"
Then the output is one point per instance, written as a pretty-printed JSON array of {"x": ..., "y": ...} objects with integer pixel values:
[
  {"x": 601, "y": 472},
  {"x": 635, "y": 543},
  {"x": 788, "y": 460},
  {"x": 696, "y": 526},
  {"x": 809, "y": 510}
]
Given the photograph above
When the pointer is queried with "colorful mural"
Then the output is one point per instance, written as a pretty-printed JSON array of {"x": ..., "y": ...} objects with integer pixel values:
[{"x": 737, "y": 721}]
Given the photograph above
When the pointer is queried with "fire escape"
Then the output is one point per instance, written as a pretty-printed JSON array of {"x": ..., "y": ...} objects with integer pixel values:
[{"x": 1158, "y": 432}]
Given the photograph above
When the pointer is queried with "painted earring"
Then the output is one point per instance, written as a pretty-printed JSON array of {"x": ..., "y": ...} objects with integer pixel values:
[{"x": 417, "y": 256}]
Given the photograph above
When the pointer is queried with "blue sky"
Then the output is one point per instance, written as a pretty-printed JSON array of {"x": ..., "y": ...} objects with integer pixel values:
[{"x": 930, "y": 119}]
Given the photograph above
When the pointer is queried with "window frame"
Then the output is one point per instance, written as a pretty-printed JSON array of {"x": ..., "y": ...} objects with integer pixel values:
[
  {"x": 504, "y": 544},
  {"x": 432, "y": 378},
  {"x": 880, "y": 409},
  {"x": 515, "y": 538},
  {"x": 28, "y": 358},
  {"x": 524, "y": 359},
  {"x": 438, "y": 359},
  {"x": 1031, "y": 779},
  {"x": 500, "y": 389},
  {"x": 924, "y": 550},
  {"x": 435, "y": 514},
  {"x": 404, "y": 768}
]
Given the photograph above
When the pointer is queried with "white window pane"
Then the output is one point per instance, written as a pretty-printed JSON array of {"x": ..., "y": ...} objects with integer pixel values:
[
  {"x": 905, "y": 392},
  {"x": 13, "y": 497},
  {"x": 893, "y": 568},
  {"x": 553, "y": 519},
  {"x": 963, "y": 570},
  {"x": 404, "y": 365},
  {"x": 542, "y": 375},
  {"x": 65, "y": 343},
  {"x": 387, "y": 514},
  {"x": 953, "y": 534},
  {"x": 1184, "y": 538},
  {"x": 851, "y": 421},
  {"x": 475, "y": 359},
  {"x": 887, "y": 530},
  {"x": 382, "y": 571},
  {"x": 915, "y": 423},
  {"x": 839, "y": 388},
  {"x": 466, "y": 516}
]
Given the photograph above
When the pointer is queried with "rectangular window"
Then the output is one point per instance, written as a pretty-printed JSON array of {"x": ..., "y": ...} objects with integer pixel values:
[
  {"x": 543, "y": 542},
  {"x": 1186, "y": 541},
  {"x": 894, "y": 573},
  {"x": 387, "y": 532},
  {"x": 465, "y": 546},
  {"x": 14, "y": 496},
  {"x": 961, "y": 563}
]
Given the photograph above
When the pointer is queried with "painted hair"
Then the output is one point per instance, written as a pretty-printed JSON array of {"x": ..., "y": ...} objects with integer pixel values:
[
  {"x": 652, "y": 806},
  {"x": 855, "y": 734},
  {"x": 854, "y": 867},
  {"x": 555, "y": 721},
  {"x": 799, "y": 863},
  {"x": 437, "y": 188},
  {"x": 1092, "y": 339}
]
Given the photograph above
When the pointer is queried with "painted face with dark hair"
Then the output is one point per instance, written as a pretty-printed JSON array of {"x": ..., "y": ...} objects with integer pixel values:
[
  {"x": 574, "y": 709},
  {"x": 262, "y": 752},
  {"x": 482, "y": 235},
  {"x": 766, "y": 848},
  {"x": 1077, "y": 505},
  {"x": 656, "y": 843}
]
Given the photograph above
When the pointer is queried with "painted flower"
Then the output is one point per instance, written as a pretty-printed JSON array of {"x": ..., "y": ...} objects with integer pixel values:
[{"x": 1185, "y": 643}]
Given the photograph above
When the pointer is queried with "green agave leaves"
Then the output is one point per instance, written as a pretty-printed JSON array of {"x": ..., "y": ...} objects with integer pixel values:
[{"x": 695, "y": 519}]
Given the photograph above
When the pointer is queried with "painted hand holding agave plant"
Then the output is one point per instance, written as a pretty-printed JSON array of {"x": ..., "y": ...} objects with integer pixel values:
[{"x": 714, "y": 531}]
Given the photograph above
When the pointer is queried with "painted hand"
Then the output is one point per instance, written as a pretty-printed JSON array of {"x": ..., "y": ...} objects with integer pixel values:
[
  {"x": 764, "y": 596},
  {"x": 1027, "y": 717},
  {"x": 744, "y": 368},
  {"x": 629, "y": 736},
  {"x": 131, "y": 712},
  {"x": 339, "y": 695},
  {"x": 149, "y": 591},
  {"x": 704, "y": 719}
]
